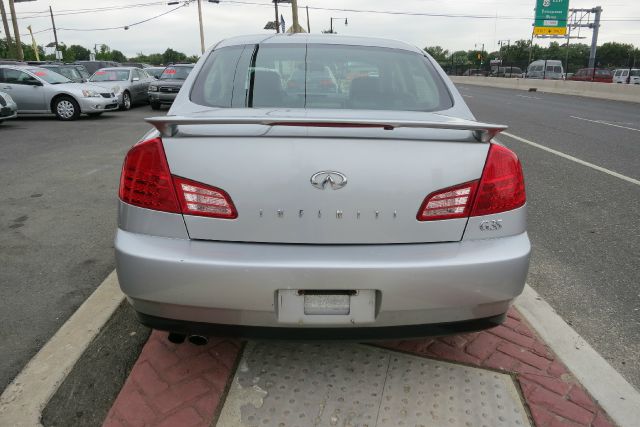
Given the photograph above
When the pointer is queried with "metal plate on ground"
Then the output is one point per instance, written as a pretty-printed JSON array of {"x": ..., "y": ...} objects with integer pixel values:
[{"x": 336, "y": 384}]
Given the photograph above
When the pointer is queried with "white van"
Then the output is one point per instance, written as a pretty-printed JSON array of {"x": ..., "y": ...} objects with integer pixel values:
[
  {"x": 625, "y": 75},
  {"x": 554, "y": 70}
]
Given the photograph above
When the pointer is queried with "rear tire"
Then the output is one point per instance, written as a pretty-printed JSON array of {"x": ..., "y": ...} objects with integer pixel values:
[
  {"x": 66, "y": 108},
  {"x": 155, "y": 106},
  {"x": 126, "y": 101}
]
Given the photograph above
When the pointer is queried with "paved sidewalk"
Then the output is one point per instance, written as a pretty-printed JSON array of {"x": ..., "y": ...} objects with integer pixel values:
[{"x": 186, "y": 385}]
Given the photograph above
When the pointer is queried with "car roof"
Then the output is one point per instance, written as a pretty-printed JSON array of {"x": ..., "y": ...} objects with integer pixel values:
[
  {"x": 118, "y": 68},
  {"x": 305, "y": 38}
]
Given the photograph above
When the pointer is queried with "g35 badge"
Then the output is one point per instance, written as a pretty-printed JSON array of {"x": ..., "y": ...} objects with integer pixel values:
[{"x": 491, "y": 225}]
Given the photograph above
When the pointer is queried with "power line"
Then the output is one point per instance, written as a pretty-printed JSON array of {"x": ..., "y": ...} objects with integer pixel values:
[
  {"x": 126, "y": 27},
  {"x": 410, "y": 13}
]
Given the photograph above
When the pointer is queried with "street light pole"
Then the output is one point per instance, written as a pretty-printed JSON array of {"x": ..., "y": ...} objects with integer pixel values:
[
  {"x": 201, "y": 28},
  {"x": 16, "y": 31}
]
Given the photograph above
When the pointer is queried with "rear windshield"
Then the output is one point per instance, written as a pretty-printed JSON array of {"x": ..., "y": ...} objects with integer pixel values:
[
  {"x": 110, "y": 76},
  {"x": 176, "y": 73},
  {"x": 320, "y": 76}
]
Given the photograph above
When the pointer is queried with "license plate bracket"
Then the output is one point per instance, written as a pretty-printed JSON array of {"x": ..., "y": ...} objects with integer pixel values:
[{"x": 326, "y": 307}]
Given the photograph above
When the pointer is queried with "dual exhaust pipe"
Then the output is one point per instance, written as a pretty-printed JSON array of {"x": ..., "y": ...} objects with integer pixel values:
[{"x": 179, "y": 338}]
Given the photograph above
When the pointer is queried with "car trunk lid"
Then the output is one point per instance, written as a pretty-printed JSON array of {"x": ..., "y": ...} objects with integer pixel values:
[{"x": 269, "y": 161}]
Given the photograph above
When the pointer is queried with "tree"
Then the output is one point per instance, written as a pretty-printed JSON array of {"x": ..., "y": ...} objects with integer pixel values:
[
  {"x": 171, "y": 56},
  {"x": 118, "y": 56},
  {"x": 614, "y": 54},
  {"x": 439, "y": 54},
  {"x": 76, "y": 53}
]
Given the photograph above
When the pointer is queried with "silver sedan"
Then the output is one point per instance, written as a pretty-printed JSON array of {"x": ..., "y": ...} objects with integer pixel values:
[
  {"x": 378, "y": 207},
  {"x": 130, "y": 84},
  {"x": 8, "y": 107},
  {"x": 41, "y": 91}
]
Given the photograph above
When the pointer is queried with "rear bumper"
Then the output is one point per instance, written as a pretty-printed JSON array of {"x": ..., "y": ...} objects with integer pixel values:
[
  {"x": 237, "y": 283},
  {"x": 288, "y": 333}
]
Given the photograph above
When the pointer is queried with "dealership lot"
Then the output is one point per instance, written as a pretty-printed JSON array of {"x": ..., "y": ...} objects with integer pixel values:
[{"x": 59, "y": 202}]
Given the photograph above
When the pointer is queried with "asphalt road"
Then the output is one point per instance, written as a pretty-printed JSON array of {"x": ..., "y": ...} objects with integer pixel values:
[
  {"x": 584, "y": 224},
  {"x": 57, "y": 220}
]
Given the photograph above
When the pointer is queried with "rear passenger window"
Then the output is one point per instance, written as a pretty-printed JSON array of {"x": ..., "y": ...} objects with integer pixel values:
[{"x": 214, "y": 85}]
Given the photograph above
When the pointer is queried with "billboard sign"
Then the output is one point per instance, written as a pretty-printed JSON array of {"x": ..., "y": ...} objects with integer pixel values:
[{"x": 551, "y": 17}]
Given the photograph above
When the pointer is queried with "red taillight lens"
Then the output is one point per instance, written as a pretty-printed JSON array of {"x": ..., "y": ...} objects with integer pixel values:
[
  {"x": 501, "y": 187},
  {"x": 452, "y": 202},
  {"x": 203, "y": 200},
  {"x": 146, "y": 180}
]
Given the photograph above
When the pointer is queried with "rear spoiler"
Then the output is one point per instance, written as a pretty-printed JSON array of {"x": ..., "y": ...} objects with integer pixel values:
[{"x": 483, "y": 132}]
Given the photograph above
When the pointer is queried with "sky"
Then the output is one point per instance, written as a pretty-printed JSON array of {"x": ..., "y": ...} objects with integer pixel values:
[{"x": 505, "y": 20}]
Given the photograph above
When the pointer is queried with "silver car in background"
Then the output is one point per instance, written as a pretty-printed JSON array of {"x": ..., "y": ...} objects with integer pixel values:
[
  {"x": 8, "y": 107},
  {"x": 40, "y": 91},
  {"x": 377, "y": 208},
  {"x": 130, "y": 84}
]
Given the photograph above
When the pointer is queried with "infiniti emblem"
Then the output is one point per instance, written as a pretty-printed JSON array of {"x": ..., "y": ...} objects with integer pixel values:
[{"x": 335, "y": 180}]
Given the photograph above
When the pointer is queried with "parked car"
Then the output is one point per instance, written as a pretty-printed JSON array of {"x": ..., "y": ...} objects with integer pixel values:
[
  {"x": 545, "y": 69},
  {"x": 135, "y": 64},
  {"x": 155, "y": 72},
  {"x": 509, "y": 72},
  {"x": 626, "y": 75},
  {"x": 130, "y": 84},
  {"x": 164, "y": 90},
  {"x": 82, "y": 70},
  {"x": 8, "y": 107},
  {"x": 41, "y": 91},
  {"x": 384, "y": 209},
  {"x": 600, "y": 75},
  {"x": 69, "y": 71},
  {"x": 475, "y": 72},
  {"x": 93, "y": 66}
]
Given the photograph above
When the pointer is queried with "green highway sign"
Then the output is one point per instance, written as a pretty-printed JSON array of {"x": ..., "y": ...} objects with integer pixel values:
[{"x": 551, "y": 17}]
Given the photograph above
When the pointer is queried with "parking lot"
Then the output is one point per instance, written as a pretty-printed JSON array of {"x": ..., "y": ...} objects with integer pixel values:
[{"x": 59, "y": 215}]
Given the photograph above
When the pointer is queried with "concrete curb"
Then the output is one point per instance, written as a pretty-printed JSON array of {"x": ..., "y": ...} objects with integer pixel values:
[
  {"x": 22, "y": 402},
  {"x": 610, "y": 91},
  {"x": 616, "y": 396}
]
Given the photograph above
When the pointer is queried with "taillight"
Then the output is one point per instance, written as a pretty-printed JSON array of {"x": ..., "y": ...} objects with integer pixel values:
[
  {"x": 203, "y": 200},
  {"x": 450, "y": 203},
  {"x": 500, "y": 189},
  {"x": 146, "y": 182}
]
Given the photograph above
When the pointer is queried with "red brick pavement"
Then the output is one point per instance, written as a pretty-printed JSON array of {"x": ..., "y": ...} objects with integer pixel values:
[
  {"x": 182, "y": 385},
  {"x": 174, "y": 385},
  {"x": 552, "y": 395}
]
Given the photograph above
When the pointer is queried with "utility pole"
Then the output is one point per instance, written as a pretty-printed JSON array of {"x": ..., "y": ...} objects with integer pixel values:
[
  {"x": 201, "y": 28},
  {"x": 5, "y": 23},
  {"x": 34, "y": 44},
  {"x": 277, "y": 21},
  {"x": 296, "y": 28},
  {"x": 55, "y": 34},
  {"x": 308, "y": 24},
  {"x": 594, "y": 40},
  {"x": 16, "y": 31}
]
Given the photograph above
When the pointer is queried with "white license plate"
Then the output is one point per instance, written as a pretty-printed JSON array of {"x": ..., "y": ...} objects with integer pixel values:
[{"x": 326, "y": 307}]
